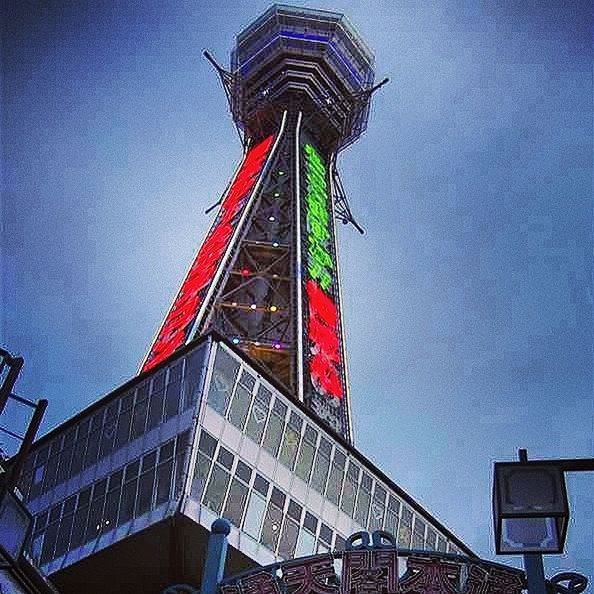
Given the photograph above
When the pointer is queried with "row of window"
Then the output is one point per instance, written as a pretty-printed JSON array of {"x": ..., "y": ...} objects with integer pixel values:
[
  {"x": 284, "y": 433},
  {"x": 123, "y": 420},
  {"x": 127, "y": 493},
  {"x": 232, "y": 489}
]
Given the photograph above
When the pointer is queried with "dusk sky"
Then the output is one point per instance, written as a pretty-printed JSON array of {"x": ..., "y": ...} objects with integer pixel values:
[{"x": 467, "y": 304}]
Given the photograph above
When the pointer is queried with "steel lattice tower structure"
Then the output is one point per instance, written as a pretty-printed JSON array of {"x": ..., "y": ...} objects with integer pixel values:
[{"x": 266, "y": 276}]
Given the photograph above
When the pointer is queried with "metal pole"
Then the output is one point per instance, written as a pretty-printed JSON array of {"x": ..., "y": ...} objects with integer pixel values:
[
  {"x": 19, "y": 459},
  {"x": 216, "y": 555},
  {"x": 533, "y": 564},
  {"x": 14, "y": 368}
]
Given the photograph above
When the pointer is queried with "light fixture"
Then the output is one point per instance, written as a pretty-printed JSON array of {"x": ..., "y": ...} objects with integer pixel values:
[
  {"x": 245, "y": 272},
  {"x": 273, "y": 308},
  {"x": 271, "y": 219},
  {"x": 234, "y": 304},
  {"x": 276, "y": 194},
  {"x": 235, "y": 340},
  {"x": 277, "y": 345},
  {"x": 253, "y": 306},
  {"x": 530, "y": 509},
  {"x": 275, "y": 244}
]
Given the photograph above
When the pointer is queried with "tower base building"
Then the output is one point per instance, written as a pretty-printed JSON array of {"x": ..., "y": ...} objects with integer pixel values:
[{"x": 125, "y": 492}]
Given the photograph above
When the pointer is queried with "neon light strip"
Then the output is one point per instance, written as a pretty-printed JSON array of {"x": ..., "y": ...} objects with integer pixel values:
[
  {"x": 179, "y": 320},
  {"x": 323, "y": 320},
  {"x": 299, "y": 261}
]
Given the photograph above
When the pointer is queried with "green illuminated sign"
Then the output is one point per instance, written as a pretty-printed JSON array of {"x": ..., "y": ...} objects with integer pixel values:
[{"x": 320, "y": 263}]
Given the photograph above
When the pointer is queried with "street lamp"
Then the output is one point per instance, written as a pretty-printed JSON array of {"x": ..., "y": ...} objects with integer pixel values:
[{"x": 530, "y": 510}]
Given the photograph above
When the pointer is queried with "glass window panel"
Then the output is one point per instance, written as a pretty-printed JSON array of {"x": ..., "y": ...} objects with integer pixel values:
[
  {"x": 288, "y": 539},
  {"x": 261, "y": 485},
  {"x": 326, "y": 533},
  {"x": 236, "y": 499},
  {"x": 216, "y": 489},
  {"x": 172, "y": 399},
  {"x": 349, "y": 494},
  {"x": 278, "y": 497},
  {"x": 144, "y": 500},
  {"x": 200, "y": 475},
  {"x": 339, "y": 543},
  {"x": 306, "y": 454},
  {"x": 175, "y": 372},
  {"x": 193, "y": 377},
  {"x": 272, "y": 526},
  {"x": 258, "y": 414},
  {"x": 123, "y": 430},
  {"x": 139, "y": 416},
  {"x": 254, "y": 515},
  {"x": 207, "y": 444},
  {"x": 79, "y": 526},
  {"x": 51, "y": 470},
  {"x": 362, "y": 509},
  {"x": 55, "y": 512},
  {"x": 290, "y": 446},
  {"x": 49, "y": 542},
  {"x": 243, "y": 471},
  {"x": 321, "y": 468},
  {"x": 132, "y": 470},
  {"x": 223, "y": 379},
  {"x": 404, "y": 532},
  {"x": 335, "y": 480},
  {"x": 294, "y": 510},
  {"x": 159, "y": 381},
  {"x": 109, "y": 429},
  {"x": 166, "y": 450},
  {"x": 128, "y": 501},
  {"x": 306, "y": 544},
  {"x": 225, "y": 458},
  {"x": 393, "y": 504},
  {"x": 310, "y": 522},
  {"x": 63, "y": 538},
  {"x": 149, "y": 460},
  {"x": 274, "y": 430},
  {"x": 441, "y": 544},
  {"x": 95, "y": 517},
  {"x": 164, "y": 473},
  {"x": 40, "y": 521},
  {"x": 391, "y": 522},
  {"x": 155, "y": 409},
  {"x": 240, "y": 406},
  {"x": 110, "y": 513},
  {"x": 84, "y": 497},
  {"x": 247, "y": 380},
  {"x": 376, "y": 517},
  {"x": 431, "y": 537},
  {"x": 418, "y": 538}
]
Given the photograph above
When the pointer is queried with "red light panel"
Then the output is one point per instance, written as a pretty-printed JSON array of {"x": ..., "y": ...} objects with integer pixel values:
[{"x": 180, "y": 319}]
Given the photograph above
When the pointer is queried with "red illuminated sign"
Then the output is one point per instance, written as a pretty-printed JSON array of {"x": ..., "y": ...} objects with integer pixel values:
[{"x": 182, "y": 315}]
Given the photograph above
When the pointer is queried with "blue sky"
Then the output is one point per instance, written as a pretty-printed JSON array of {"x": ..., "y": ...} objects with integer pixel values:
[{"x": 468, "y": 304}]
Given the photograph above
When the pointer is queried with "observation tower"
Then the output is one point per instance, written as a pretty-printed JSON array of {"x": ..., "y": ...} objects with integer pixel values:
[
  {"x": 266, "y": 276},
  {"x": 241, "y": 408}
]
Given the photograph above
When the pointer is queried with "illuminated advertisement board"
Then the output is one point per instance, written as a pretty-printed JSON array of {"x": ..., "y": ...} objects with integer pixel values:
[
  {"x": 181, "y": 317},
  {"x": 323, "y": 350}
]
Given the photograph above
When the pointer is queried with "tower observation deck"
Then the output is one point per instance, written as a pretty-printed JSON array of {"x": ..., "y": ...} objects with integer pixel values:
[{"x": 267, "y": 276}]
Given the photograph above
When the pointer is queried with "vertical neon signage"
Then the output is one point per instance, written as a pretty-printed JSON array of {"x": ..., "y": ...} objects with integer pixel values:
[
  {"x": 325, "y": 357},
  {"x": 180, "y": 319}
]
